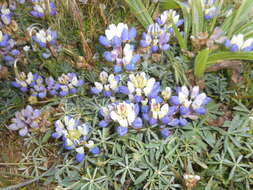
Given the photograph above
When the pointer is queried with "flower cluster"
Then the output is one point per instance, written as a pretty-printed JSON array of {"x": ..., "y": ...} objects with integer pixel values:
[
  {"x": 159, "y": 34},
  {"x": 25, "y": 119},
  {"x": 5, "y": 15},
  {"x": 210, "y": 9},
  {"x": 7, "y": 48},
  {"x": 39, "y": 9},
  {"x": 124, "y": 114},
  {"x": 45, "y": 37},
  {"x": 155, "y": 38},
  {"x": 46, "y": 40},
  {"x": 122, "y": 52},
  {"x": 74, "y": 135},
  {"x": 147, "y": 104},
  {"x": 40, "y": 87},
  {"x": 237, "y": 43},
  {"x": 108, "y": 85}
]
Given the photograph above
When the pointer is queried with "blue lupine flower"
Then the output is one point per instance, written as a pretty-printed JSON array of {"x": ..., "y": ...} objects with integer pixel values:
[
  {"x": 115, "y": 34},
  {"x": 103, "y": 124},
  {"x": 122, "y": 130},
  {"x": 74, "y": 135},
  {"x": 155, "y": 39},
  {"x": 140, "y": 87},
  {"x": 52, "y": 86},
  {"x": 4, "y": 38},
  {"x": 95, "y": 150},
  {"x": 25, "y": 119},
  {"x": 237, "y": 43},
  {"x": 168, "y": 18},
  {"x": 39, "y": 9},
  {"x": 108, "y": 84},
  {"x": 127, "y": 58},
  {"x": 38, "y": 87},
  {"x": 165, "y": 132},
  {"x": 5, "y": 15},
  {"x": 68, "y": 83},
  {"x": 7, "y": 49},
  {"x": 208, "y": 6},
  {"x": 23, "y": 82},
  {"x": 137, "y": 123},
  {"x": 122, "y": 53},
  {"x": 43, "y": 38}
]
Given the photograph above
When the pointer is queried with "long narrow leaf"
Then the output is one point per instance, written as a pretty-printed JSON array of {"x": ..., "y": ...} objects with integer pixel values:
[
  {"x": 219, "y": 6},
  {"x": 197, "y": 17},
  {"x": 241, "y": 15},
  {"x": 179, "y": 37},
  {"x": 200, "y": 63},
  {"x": 140, "y": 12},
  {"x": 169, "y": 4},
  {"x": 187, "y": 21},
  {"x": 213, "y": 58}
]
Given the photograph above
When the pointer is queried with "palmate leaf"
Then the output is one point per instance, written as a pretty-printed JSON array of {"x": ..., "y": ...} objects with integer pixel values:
[{"x": 140, "y": 12}]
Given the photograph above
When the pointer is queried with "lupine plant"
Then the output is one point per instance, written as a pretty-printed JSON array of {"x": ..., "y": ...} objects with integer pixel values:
[
  {"x": 118, "y": 38},
  {"x": 5, "y": 15},
  {"x": 25, "y": 120},
  {"x": 74, "y": 135},
  {"x": 40, "y": 9},
  {"x": 7, "y": 49},
  {"x": 148, "y": 116},
  {"x": 40, "y": 87}
]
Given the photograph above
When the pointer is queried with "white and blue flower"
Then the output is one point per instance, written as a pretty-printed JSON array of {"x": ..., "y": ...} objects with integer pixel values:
[
  {"x": 155, "y": 39},
  {"x": 126, "y": 115},
  {"x": 108, "y": 84},
  {"x": 74, "y": 135},
  {"x": 117, "y": 34},
  {"x": 25, "y": 119},
  {"x": 238, "y": 43},
  {"x": 168, "y": 18},
  {"x": 39, "y": 9},
  {"x": 5, "y": 14},
  {"x": 45, "y": 37},
  {"x": 140, "y": 87},
  {"x": 68, "y": 84}
]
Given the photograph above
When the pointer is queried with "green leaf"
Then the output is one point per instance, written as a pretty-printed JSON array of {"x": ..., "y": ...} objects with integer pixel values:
[
  {"x": 140, "y": 12},
  {"x": 209, "y": 185},
  {"x": 227, "y": 55},
  {"x": 187, "y": 21},
  {"x": 181, "y": 41},
  {"x": 219, "y": 6},
  {"x": 142, "y": 177},
  {"x": 168, "y": 4},
  {"x": 197, "y": 17},
  {"x": 200, "y": 63},
  {"x": 241, "y": 16}
]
